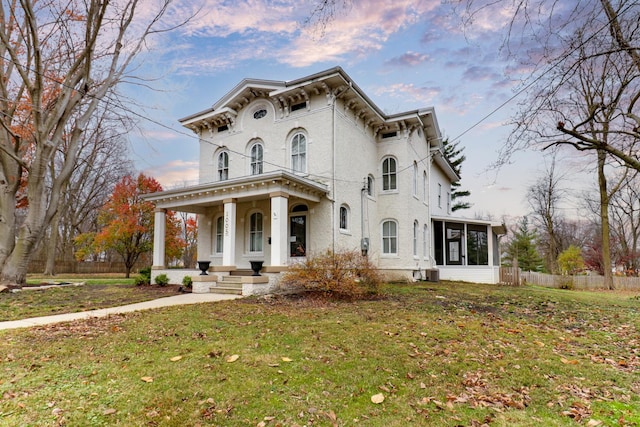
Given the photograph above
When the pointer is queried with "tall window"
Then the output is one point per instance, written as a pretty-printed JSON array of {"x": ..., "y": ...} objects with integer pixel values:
[
  {"x": 344, "y": 217},
  {"x": 439, "y": 195},
  {"x": 219, "y": 230},
  {"x": 389, "y": 237},
  {"x": 257, "y": 155},
  {"x": 448, "y": 202},
  {"x": 255, "y": 232},
  {"x": 425, "y": 239},
  {"x": 416, "y": 230},
  {"x": 370, "y": 184},
  {"x": 299, "y": 153},
  {"x": 223, "y": 166},
  {"x": 389, "y": 174},
  {"x": 425, "y": 192},
  {"x": 477, "y": 245},
  {"x": 415, "y": 179}
]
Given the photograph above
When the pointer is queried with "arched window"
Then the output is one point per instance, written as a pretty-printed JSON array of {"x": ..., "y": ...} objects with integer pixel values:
[
  {"x": 255, "y": 232},
  {"x": 425, "y": 239},
  {"x": 257, "y": 157},
  {"x": 370, "y": 186},
  {"x": 223, "y": 166},
  {"x": 389, "y": 174},
  {"x": 344, "y": 217},
  {"x": 415, "y": 179},
  {"x": 425, "y": 192},
  {"x": 416, "y": 230},
  {"x": 299, "y": 153},
  {"x": 389, "y": 237},
  {"x": 219, "y": 243}
]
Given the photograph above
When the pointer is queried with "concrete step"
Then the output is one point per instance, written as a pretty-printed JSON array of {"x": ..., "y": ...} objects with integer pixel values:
[
  {"x": 241, "y": 272},
  {"x": 230, "y": 280},
  {"x": 225, "y": 290}
]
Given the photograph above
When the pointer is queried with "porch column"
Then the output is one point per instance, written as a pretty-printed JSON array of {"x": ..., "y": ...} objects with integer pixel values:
[
  {"x": 229, "y": 235},
  {"x": 159, "y": 227},
  {"x": 279, "y": 240}
]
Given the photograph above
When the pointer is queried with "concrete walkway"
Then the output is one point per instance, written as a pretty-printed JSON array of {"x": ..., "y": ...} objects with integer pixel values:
[{"x": 181, "y": 299}]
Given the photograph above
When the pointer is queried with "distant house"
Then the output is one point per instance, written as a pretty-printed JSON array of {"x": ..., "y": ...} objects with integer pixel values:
[{"x": 289, "y": 169}]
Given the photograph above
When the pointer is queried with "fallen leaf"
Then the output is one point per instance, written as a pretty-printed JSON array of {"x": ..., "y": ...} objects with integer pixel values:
[
  {"x": 175, "y": 358},
  {"x": 568, "y": 362},
  {"x": 232, "y": 358},
  {"x": 594, "y": 423},
  {"x": 286, "y": 359},
  {"x": 109, "y": 411},
  {"x": 377, "y": 398},
  {"x": 147, "y": 379}
]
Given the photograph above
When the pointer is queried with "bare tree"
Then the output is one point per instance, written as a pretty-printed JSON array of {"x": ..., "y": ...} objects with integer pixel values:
[
  {"x": 544, "y": 197},
  {"x": 558, "y": 41},
  {"x": 102, "y": 162},
  {"x": 59, "y": 61},
  {"x": 625, "y": 225}
]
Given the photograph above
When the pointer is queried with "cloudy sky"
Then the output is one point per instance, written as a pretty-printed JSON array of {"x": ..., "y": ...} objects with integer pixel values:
[{"x": 403, "y": 54}]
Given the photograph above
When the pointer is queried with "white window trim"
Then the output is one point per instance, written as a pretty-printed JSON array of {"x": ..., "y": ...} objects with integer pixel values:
[
  {"x": 395, "y": 173},
  {"x": 389, "y": 254},
  {"x": 345, "y": 230},
  {"x": 249, "y": 252}
]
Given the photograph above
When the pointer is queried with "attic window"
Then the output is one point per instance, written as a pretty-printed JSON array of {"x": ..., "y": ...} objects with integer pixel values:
[
  {"x": 223, "y": 128},
  {"x": 299, "y": 106},
  {"x": 259, "y": 113},
  {"x": 389, "y": 135}
]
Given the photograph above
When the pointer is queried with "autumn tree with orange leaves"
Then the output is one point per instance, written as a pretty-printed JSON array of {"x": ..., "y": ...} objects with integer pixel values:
[
  {"x": 60, "y": 62},
  {"x": 127, "y": 224}
]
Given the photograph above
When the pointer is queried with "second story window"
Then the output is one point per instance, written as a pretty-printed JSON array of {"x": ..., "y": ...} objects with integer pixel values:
[
  {"x": 299, "y": 153},
  {"x": 223, "y": 166},
  {"x": 257, "y": 154},
  {"x": 415, "y": 179},
  {"x": 389, "y": 174}
]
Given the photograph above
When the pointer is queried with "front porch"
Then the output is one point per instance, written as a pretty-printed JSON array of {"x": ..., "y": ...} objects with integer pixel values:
[{"x": 262, "y": 217}]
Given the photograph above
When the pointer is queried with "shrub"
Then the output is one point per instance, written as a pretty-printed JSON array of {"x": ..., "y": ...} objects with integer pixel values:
[
  {"x": 345, "y": 274},
  {"x": 162, "y": 279},
  {"x": 141, "y": 280},
  {"x": 146, "y": 272},
  {"x": 144, "y": 278},
  {"x": 187, "y": 282},
  {"x": 570, "y": 261}
]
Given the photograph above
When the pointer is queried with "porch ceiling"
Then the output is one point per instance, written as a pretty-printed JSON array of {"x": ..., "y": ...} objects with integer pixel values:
[{"x": 197, "y": 198}]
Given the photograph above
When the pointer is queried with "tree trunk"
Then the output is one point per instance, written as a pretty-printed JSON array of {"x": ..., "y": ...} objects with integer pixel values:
[
  {"x": 604, "y": 219},
  {"x": 49, "y": 269}
]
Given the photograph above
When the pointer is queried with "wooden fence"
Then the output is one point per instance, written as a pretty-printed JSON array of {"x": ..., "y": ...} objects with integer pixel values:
[
  {"x": 578, "y": 282},
  {"x": 76, "y": 267}
]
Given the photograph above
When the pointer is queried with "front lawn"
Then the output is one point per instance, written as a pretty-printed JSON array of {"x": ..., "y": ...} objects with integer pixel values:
[
  {"x": 445, "y": 354},
  {"x": 92, "y": 294}
]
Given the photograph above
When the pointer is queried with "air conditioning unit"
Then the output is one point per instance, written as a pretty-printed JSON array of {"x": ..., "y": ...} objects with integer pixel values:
[{"x": 432, "y": 275}]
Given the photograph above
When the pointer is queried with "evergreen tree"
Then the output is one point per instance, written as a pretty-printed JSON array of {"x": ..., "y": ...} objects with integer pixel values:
[
  {"x": 523, "y": 248},
  {"x": 454, "y": 156}
]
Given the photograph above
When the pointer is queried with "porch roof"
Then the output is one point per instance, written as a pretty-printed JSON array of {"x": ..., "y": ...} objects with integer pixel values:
[
  {"x": 197, "y": 198},
  {"x": 497, "y": 227}
]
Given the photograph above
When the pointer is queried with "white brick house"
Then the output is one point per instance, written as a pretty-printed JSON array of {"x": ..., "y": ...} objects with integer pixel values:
[{"x": 289, "y": 169}]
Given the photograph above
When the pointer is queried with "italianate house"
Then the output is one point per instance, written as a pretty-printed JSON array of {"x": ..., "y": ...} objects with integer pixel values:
[{"x": 291, "y": 169}]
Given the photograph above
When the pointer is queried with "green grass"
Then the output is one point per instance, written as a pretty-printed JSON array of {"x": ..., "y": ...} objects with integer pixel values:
[
  {"x": 94, "y": 294},
  {"x": 443, "y": 354}
]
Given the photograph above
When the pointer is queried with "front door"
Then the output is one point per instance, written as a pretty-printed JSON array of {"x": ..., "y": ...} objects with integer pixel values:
[{"x": 298, "y": 235}]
